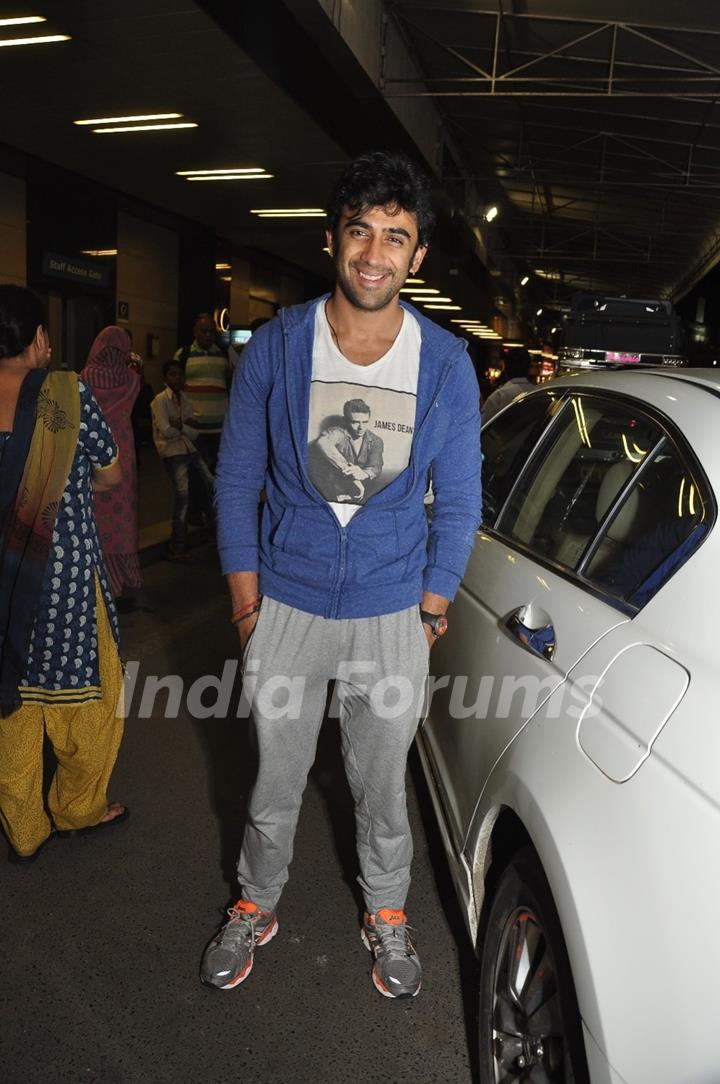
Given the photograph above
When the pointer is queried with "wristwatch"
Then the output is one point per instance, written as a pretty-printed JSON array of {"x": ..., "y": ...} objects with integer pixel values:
[{"x": 437, "y": 622}]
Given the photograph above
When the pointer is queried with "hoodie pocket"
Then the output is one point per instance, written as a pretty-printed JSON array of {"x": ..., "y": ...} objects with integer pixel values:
[
  {"x": 380, "y": 546},
  {"x": 282, "y": 530},
  {"x": 301, "y": 547}
]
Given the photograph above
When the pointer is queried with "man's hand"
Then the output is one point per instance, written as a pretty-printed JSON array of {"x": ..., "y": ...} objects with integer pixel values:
[
  {"x": 433, "y": 604},
  {"x": 352, "y": 470}
]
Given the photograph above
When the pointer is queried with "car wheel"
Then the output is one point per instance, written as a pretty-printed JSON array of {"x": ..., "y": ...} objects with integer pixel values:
[{"x": 530, "y": 1027}]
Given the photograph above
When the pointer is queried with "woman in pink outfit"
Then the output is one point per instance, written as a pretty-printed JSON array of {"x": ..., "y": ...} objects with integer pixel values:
[{"x": 116, "y": 386}]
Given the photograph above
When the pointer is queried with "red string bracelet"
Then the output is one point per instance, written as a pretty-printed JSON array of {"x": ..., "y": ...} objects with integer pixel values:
[
  {"x": 245, "y": 611},
  {"x": 238, "y": 620}
]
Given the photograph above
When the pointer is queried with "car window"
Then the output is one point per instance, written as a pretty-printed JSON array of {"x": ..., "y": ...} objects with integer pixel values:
[
  {"x": 595, "y": 449},
  {"x": 653, "y": 532},
  {"x": 507, "y": 442}
]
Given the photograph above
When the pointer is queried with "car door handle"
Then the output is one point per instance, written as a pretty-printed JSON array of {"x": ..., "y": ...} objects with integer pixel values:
[{"x": 533, "y": 627}]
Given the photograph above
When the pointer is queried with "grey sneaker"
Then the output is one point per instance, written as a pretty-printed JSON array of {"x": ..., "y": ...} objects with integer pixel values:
[
  {"x": 228, "y": 959},
  {"x": 396, "y": 971}
]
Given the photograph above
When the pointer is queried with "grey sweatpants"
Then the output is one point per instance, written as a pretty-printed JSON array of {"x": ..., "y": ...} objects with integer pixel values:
[{"x": 380, "y": 666}]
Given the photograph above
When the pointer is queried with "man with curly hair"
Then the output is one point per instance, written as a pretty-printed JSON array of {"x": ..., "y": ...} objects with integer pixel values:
[{"x": 348, "y": 586}]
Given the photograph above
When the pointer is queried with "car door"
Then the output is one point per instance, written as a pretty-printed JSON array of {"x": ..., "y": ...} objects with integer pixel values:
[{"x": 562, "y": 499}]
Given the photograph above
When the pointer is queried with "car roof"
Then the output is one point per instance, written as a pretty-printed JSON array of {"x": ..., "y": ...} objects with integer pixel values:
[{"x": 640, "y": 381}]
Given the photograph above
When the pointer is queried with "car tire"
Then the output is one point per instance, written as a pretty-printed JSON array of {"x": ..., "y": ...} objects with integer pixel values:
[{"x": 529, "y": 1027}]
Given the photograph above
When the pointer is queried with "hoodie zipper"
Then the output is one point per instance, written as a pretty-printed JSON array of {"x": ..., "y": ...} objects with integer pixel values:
[{"x": 334, "y": 605}]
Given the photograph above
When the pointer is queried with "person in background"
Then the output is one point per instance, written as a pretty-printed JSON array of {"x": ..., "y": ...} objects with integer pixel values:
[
  {"x": 518, "y": 367},
  {"x": 60, "y": 672},
  {"x": 174, "y": 434},
  {"x": 207, "y": 375},
  {"x": 116, "y": 387}
]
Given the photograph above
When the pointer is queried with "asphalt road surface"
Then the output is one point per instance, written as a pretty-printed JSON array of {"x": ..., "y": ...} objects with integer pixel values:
[{"x": 100, "y": 939}]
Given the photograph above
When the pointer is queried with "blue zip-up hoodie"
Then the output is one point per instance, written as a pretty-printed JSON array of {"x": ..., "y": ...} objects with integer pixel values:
[{"x": 388, "y": 554}]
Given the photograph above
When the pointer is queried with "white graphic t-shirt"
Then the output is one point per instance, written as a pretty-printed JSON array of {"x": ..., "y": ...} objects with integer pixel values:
[{"x": 361, "y": 417}]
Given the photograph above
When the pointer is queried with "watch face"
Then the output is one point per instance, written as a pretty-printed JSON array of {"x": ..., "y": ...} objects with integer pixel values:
[{"x": 441, "y": 626}]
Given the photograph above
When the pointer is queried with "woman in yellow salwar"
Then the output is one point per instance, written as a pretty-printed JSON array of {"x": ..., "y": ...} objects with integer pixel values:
[{"x": 60, "y": 672}]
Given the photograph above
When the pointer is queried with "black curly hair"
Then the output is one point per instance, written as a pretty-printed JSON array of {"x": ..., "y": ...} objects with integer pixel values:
[{"x": 381, "y": 179}]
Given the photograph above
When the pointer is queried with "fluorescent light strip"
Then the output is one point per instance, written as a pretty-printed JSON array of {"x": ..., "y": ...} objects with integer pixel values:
[
  {"x": 236, "y": 177},
  {"x": 23, "y": 20},
  {"x": 222, "y": 266},
  {"x": 412, "y": 290},
  {"x": 440, "y": 300},
  {"x": 414, "y": 282},
  {"x": 143, "y": 128},
  {"x": 214, "y": 172},
  {"x": 287, "y": 211},
  {"x": 446, "y": 308},
  {"x": 124, "y": 120},
  {"x": 46, "y": 39},
  {"x": 99, "y": 251},
  {"x": 287, "y": 214}
]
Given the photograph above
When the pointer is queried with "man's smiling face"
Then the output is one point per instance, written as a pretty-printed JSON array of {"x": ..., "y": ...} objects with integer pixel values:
[{"x": 375, "y": 249}]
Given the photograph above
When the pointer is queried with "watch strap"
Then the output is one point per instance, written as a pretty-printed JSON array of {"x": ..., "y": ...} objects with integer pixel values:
[{"x": 432, "y": 620}]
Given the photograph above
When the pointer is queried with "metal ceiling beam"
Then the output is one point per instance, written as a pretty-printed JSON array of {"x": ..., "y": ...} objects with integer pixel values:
[
  {"x": 486, "y": 120},
  {"x": 444, "y": 9},
  {"x": 572, "y": 211},
  {"x": 563, "y": 257},
  {"x": 496, "y": 80},
  {"x": 535, "y": 93}
]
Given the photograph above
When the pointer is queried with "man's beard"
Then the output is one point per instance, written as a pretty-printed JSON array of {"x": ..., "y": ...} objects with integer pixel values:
[{"x": 377, "y": 301}]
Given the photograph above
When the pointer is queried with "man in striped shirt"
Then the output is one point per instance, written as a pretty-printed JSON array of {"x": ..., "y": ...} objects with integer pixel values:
[{"x": 206, "y": 383}]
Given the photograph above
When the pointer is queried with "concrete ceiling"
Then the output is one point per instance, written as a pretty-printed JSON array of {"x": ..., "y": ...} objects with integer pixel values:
[
  {"x": 598, "y": 137},
  {"x": 132, "y": 57}
]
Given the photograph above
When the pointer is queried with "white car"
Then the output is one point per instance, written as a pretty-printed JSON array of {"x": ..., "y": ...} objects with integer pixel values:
[{"x": 572, "y": 744}]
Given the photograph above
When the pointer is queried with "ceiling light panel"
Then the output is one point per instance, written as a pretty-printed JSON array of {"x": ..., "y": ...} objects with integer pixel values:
[
  {"x": 128, "y": 120},
  {"x": 235, "y": 177},
  {"x": 144, "y": 128},
  {"x": 41, "y": 39},
  {"x": 23, "y": 20},
  {"x": 288, "y": 212},
  {"x": 249, "y": 170}
]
